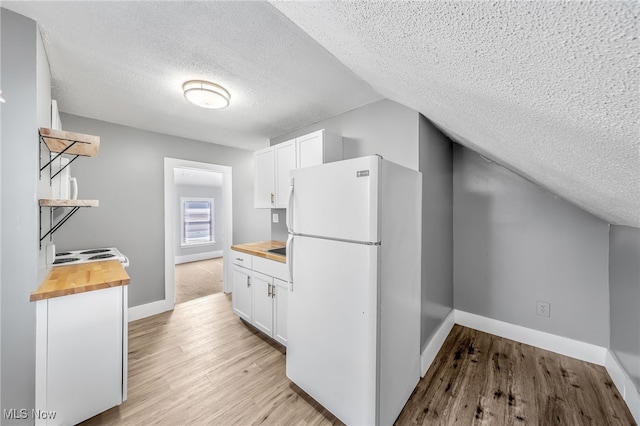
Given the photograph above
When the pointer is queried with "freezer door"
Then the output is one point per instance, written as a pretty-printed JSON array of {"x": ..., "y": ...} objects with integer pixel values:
[
  {"x": 332, "y": 317},
  {"x": 337, "y": 200}
]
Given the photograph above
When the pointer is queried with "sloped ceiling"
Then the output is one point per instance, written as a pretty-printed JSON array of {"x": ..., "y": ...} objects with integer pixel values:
[{"x": 547, "y": 89}]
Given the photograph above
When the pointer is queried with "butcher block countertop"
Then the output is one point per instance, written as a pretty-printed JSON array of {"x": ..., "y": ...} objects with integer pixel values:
[
  {"x": 258, "y": 249},
  {"x": 80, "y": 278}
]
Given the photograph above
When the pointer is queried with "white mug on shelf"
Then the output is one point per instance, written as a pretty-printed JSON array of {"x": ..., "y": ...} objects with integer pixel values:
[{"x": 73, "y": 188}]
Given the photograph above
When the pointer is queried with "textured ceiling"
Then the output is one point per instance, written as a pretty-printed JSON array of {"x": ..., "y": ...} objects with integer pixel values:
[
  {"x": 547, "y": 89},
  {"x": 125, "y": 62}
]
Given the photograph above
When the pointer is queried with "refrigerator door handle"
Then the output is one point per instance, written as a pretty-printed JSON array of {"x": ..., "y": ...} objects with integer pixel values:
[
  {"x": 290, "y": 260},
  {"x": 290, "y": 209}
]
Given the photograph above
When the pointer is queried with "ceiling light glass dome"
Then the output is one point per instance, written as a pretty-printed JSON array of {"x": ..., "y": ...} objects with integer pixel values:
[{"x": 206, "y": 94}]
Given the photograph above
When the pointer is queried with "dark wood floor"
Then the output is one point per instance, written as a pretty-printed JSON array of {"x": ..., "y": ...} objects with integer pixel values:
[
  {"x": 200, "y": 365},
  {"x": 481, "y": 379}
]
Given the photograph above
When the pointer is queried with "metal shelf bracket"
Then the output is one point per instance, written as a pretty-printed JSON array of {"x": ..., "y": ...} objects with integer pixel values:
[{"x": 53, "y": 228}]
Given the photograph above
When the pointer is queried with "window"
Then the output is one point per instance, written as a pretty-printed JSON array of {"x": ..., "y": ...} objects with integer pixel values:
[{"x": 197, "y": 221}]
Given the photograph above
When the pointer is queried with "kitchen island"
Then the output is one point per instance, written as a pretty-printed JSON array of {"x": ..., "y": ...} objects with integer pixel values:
[{"x": 81, "y": 341}]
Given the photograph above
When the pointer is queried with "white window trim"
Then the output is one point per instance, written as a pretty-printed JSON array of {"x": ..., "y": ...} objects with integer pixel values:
[{"x": 197, "y": 243}]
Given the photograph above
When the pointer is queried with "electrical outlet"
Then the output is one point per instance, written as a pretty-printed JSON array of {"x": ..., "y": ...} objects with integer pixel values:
[
  {"x": 275, "y": 218},
  {"x": 543, "y": 308}
]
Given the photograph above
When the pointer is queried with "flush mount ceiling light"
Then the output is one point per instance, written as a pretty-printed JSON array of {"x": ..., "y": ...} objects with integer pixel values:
[{"x": 206, "y": 94}]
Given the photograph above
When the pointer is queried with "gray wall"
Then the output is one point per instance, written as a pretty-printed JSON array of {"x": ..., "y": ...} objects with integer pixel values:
[
  {"x": 199, "y": 191},
  {"x": 127, "y": 178},
  {"x": 624, "y": 290},
  {"x": 384, "y": 127},
  {"x": 19, "y": 226},
  {"x": 515, "y": 243},
  {"x": 436, "y": 165}
]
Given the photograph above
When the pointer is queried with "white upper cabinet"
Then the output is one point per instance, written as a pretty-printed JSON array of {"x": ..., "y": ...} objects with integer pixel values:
[
  {"x": 273, "y": 165},
  {"x": 318, "y": 148},
  {"x": 285, "y": 154},
  {"x": 264, "y": 179}
]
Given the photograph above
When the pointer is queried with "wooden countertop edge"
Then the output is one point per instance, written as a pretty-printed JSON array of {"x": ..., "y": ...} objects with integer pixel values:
[
  {"x": 56, "y": 287},
  {"x": 257, "y": 249},
  {"x": 75, "y": 290}
]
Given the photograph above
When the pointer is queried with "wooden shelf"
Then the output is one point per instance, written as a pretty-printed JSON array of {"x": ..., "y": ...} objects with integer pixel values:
[
  {"x": 59, "y": 141},
  {"x": 68, "y": 203}
]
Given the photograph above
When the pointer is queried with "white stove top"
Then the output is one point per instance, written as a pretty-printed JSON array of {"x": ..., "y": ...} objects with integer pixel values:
[{"x": 73, "y": 257}]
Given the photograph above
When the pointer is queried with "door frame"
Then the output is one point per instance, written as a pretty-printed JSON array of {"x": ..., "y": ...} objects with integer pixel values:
[{"x": 169, "y": 222}]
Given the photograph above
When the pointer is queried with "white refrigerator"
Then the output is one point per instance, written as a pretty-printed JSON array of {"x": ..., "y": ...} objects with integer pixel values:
[{"x": 354, "y": 302}]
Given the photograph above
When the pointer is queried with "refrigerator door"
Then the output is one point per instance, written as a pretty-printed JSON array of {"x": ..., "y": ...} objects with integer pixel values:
[
  {"x": 332, "y": 317},
  {"x": 336, "y": 200}
]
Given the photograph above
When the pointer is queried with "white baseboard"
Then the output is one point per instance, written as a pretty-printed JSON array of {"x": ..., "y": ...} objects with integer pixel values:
[
  {"x": 198, "y": 256},
  {"x": 148, "y": 309},
  {"x": 624, "y": 384},
  {"x": 551, "y": 342},
  {"x": 433, "y": 347}
]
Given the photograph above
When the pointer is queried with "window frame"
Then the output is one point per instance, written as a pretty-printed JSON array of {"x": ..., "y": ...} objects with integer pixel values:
[{"x": 183, "y": 201}]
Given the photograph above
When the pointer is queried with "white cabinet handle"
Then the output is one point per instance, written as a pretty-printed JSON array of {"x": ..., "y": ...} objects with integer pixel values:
[
  {"x": 248, "y": 281},
  {"x": 268, "y": 290}
]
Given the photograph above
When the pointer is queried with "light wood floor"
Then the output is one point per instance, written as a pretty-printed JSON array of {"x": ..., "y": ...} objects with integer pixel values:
[{"x": 200, "y": 365}]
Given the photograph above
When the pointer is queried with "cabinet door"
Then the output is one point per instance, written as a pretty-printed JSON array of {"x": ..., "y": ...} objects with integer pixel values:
[
  {"x": 241, "y": 297},
  {"x": 285, "y": 154},
  {"x": 263, "y": 303},
  {"x": 281, "y": 296},
  {"x": 84, "y": 354},
  {"x": 263, "y": 179},
  {"x": 310, "y": 149}
]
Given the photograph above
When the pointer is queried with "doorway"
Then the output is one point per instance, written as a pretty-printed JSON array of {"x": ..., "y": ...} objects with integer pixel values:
[
  {"x": 198, "y": 229},
  {"x": 201, "y": 188}
]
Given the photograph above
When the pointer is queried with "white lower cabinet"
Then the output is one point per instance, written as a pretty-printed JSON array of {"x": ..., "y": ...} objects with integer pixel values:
[
  {"x": 281, "y": 289},
  {"x": 260, "y": 295},
  {"x": 242, "y": 293},
  {"x": 262, "y": 303},
  {"x": 81, "y": 355}
]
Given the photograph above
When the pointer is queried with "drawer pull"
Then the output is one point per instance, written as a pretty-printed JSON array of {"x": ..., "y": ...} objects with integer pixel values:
[{"x": 239, "y": 259}]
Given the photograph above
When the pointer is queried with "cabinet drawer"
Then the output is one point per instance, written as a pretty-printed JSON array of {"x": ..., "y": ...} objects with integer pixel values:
[
  {"x": 242, "y": 259},
  {"x": 271, "y": 268}
]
